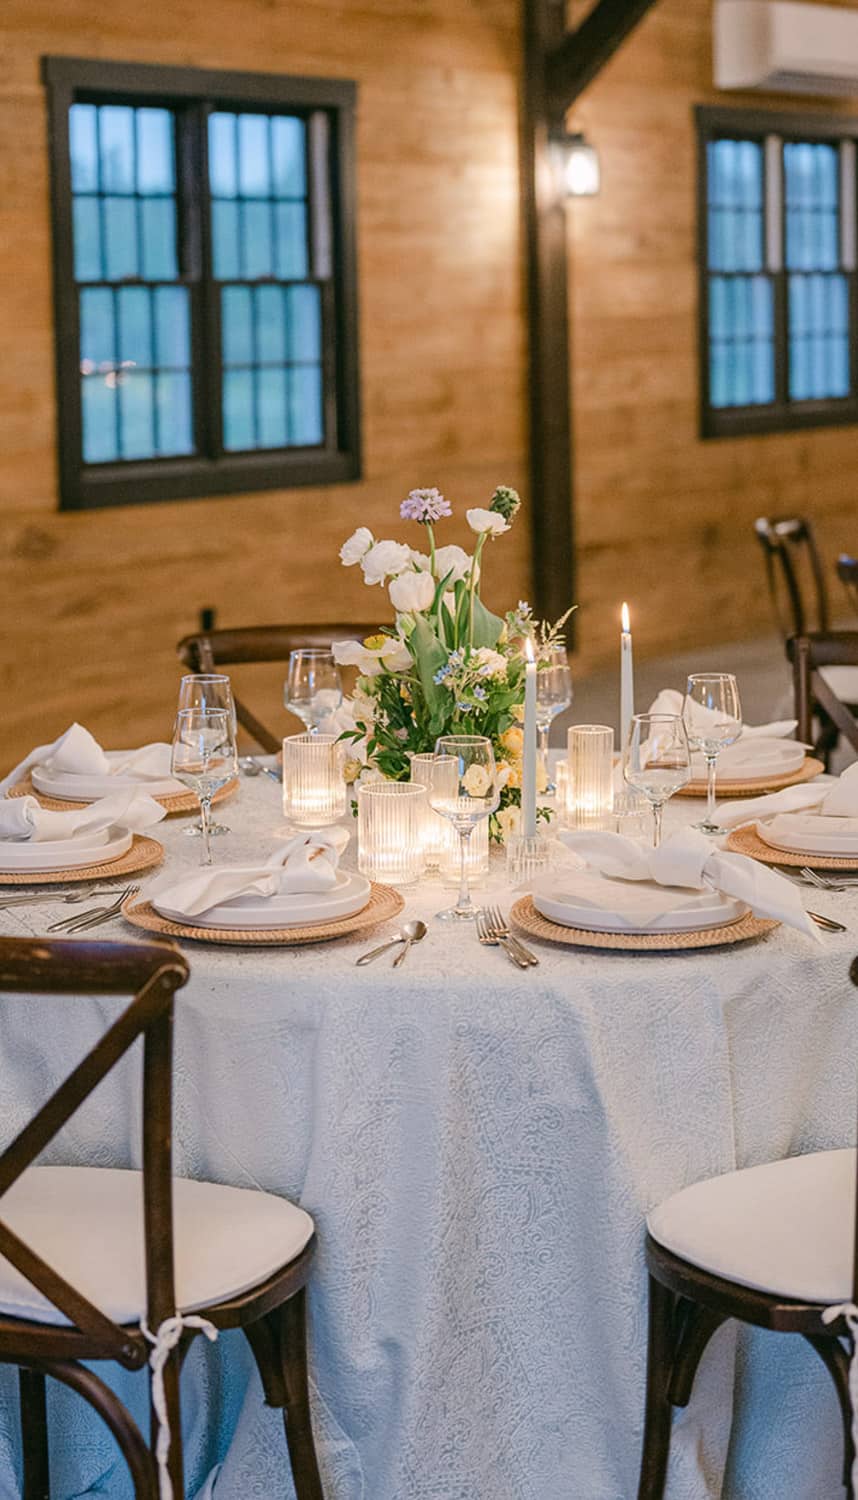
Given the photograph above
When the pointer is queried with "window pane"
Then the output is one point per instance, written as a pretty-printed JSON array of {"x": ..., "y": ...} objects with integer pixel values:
[
  {"x": 96, "y": 329},
  {"x": 735, "y": 205},
  {"x": 120, "y": 234},
  {"x": 98, "y": 408},
  {"x": 135, "y": 330},
  {"x": 741, "y": 338},
  {"x": 175, "y": 425},
  {"x": 304, "y": 323},
  {"x": 291, "y": 239},
  {"x": 238, "y": 414},
  {"x": 172, "y": 327},
  {"x": 818, "y": 337},
  {"x": 158, "y": 233},
  {"x": 256, "y": 239},
  {"x": 271, "y": 326},
  {"x": 225, "y": 221},
  {"x": 116, "y": 131},
  {"x": 83, "y": 146},
  {"x": 237, "y": 326},
  {"x": 223, "y": 168},
  {"x": 155, "y": 165},
  {"x": 136, "y": 415},
  {"x": 305, "y": 405},
  {"x": 289, "y": 156},
  {"x": 254, "y": 173},
  {"x": 271, "y": 405},
  {"x": 812, "y": 206},
  {"x": 87, "y": 239}
]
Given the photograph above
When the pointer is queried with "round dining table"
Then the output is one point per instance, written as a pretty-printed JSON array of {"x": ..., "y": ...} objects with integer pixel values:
[{"x": 479, "y": 1146}]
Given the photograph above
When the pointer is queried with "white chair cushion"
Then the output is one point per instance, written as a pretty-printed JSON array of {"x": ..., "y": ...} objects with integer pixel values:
[
  {"x": 785, "y": 1228},
  {"x": 843, "y": 682},
  {"x": 87, "y": 1224}
]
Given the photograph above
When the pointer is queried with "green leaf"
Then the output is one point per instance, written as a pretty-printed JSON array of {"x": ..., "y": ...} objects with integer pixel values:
[
  {"x": 429, "y": 655},
  {"x": 487, "y": 627}
]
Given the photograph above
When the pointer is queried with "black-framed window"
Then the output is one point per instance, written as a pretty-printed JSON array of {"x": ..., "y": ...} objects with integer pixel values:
[
  {"x": 778, "y": 285},
  {"x": 204, "y": 281}
]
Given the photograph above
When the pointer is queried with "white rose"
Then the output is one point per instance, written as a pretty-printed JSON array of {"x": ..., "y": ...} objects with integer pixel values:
[
  {"x": 357, "y": 545},
  {"x": 509, "y": 821},
  {"x": 412, "y": 592},
  {"x": 454, "y": 560},
  {"x": 385, "y": 560},
  {"x": 486, "y": 520},
  {"x": 489, "y": 663},
  {"x": 476, "y": 781}
]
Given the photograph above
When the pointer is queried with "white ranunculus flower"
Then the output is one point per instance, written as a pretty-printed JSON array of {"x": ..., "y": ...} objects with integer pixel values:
[
  {"x": 385, "y": 560},
  {"x": 412, "y": 592},
  {"x": 371, "y": 661},
  {"x": 453, "y": 560},
  {"x": 422, "y": 561},
  {"x": 489, "y": 663},
  {"x": 356, "y": 547},
  {"x": 486, "y": 520},
  {"x": 509, "y": 821}
]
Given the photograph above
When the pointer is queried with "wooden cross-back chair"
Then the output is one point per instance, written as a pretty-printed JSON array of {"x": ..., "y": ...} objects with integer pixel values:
[
  {"x": 72, "y": 1286},
  {"x": 775, "y": 1246},
  {"x": 847, "y": 572},
  {"x": 214, "y": 650},
  {"x": 817, "y": 660},
  {"x": 794, "y": 573}
]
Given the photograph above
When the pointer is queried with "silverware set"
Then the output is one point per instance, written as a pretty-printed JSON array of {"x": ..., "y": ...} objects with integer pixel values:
[
  {"x": 84, "y": 921},
  {"x": 411, "y": 933},
  {"x": 493, "y": 931}
]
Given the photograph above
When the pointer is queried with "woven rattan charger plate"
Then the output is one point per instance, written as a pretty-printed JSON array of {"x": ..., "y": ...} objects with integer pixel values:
[
  {"x": 525, "y": 915},
  {"x": 174, "y": 804},
  {"x": 748, "y": 841},
  {"x": 143, "y": 855},
  {"x": 384, "y": 903},
  {"x": 806, "y": 772}
]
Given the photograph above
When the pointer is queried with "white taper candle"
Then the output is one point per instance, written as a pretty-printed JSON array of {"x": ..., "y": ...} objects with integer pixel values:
[
  {"x": 528, "y": 772},
  {"x": 627, "y": 679}
]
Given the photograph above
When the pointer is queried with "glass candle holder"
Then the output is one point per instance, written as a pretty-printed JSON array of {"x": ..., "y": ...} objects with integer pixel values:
[
  {"x": 434, "y": 826},
  {"x": 314, "y": 788},
  {"x": 563, "y": 789},
  {"x": 391, "y": 817},
  {"x": 476, "y": 856},
  {"x": 591, "y": 750},
  {"x": 528, "y": 856}
]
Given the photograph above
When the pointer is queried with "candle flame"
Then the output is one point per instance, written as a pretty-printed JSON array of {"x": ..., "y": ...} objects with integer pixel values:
[
  {"x": 528, "y": 648},
  {"x": 624, "y": 616}
]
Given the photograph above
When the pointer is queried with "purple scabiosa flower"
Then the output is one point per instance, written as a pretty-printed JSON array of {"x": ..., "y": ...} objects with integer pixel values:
[{"x": 424, "y": 505}]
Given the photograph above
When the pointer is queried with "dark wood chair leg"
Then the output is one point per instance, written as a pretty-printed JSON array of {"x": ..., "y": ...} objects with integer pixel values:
[
  {"x": 659, "y": 1412},
  {"x": 34, "y": 1434},
  {"x": 836, "y": 1360},
  {"x": 299, "y": 1429},
  {"x": 129, "y": 1438}
]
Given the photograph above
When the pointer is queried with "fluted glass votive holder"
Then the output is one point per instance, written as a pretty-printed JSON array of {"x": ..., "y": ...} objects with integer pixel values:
[
  {"x": 476, "y": 854},
  {"x": 528, "y": 855},
  {"x": 562, "y": 793},
  {"x": 434, "y": 826},
  {"x": 391, "y": 816},
  {"x": 591, "y": 791},
  {"x": 314, "y": 788}
]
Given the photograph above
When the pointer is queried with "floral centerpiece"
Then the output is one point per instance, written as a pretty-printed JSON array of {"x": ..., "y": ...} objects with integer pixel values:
[{"x": 447, "y": 665}]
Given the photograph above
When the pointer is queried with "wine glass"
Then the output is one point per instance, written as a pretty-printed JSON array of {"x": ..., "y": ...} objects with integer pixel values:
[
  {"x": 207, "y": 690},
  {"x": 657, "y": 761},
  {"x": 204, "y": 758},
  {"x": 314, "y": 688},
  {"x": 553, "y": 694},
  {"x": 464, "y": 789},
  {"x": 712, "y": 715}
]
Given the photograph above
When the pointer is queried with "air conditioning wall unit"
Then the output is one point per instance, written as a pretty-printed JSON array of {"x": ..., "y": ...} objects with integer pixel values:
[{"x": 780, "y": 46}]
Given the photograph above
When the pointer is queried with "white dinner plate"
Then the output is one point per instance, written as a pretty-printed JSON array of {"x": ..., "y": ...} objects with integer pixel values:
[
  {"x": 350, "y": 894},
  {"x": 694, "y": 911},
  {"x": 808, "y": 833},
  {"x": 755, "y": 760},
  {"x": 68, "y": 787},
  {"x": 64, "y": 854}
]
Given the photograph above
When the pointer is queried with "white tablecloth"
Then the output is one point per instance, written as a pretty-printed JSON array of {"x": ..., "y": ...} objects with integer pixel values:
[{"x": 479, "y": 1147}]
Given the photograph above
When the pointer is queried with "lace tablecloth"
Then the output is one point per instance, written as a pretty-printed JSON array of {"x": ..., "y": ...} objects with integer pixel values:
[{"x": 479, "y": 1147}]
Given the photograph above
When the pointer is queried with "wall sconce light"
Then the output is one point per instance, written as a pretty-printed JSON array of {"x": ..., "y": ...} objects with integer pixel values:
[{"x": 581, "y": 175}]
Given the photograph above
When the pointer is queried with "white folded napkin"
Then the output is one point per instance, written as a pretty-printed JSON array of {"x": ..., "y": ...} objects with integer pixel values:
[
  {"x": 79, "y": 754},
  {"x": 670, "y": 701},
  {"x": 837, "y": 799},
  {"x": 639, "y": 902},
  {"x": 761, "y": 755},
  {"x": 306, "y": 863},
  {"x": 688, "y": 859},
  {"x": 22, "y": 818}
]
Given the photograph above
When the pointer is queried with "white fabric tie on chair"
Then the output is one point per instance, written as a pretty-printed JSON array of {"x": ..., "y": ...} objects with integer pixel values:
[
  {"x": 849, "y": 1311},
  {"x": 164, "y": 1342}
]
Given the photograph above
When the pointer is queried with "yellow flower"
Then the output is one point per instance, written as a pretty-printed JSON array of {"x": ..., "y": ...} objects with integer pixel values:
[
  {"x": 352, "y": 770},
  {"x": 375, "y": 642},
  {"x": 515, "y": 774},
  {"x": 513, "y": 740},
  {"x": 517, "y": 712}
]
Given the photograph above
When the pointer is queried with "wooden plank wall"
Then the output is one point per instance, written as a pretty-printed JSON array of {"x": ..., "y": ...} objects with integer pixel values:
[
  {"x": 663, "y": 517},
  {"x": 91, "y": 604}
]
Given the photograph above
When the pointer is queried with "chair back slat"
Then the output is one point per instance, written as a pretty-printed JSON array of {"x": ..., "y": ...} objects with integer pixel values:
[
  {"x": 809, "y": 654},
  {"x": 151, "y": 973},
  {"x": 794, "y": 573}
]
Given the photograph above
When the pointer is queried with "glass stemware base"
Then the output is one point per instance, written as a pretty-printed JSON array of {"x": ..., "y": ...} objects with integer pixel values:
[{"x": 195, "y": 830}]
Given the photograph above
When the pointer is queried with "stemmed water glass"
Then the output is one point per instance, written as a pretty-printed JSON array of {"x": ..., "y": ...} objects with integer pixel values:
[
  {"x": 553, "y": 694},
  {"x": 204, "y": 758},
  {"x": 464, "y": 790},
  {"x": 207, "y": 690},
  {"x": 712, "y": 715},
  {"x": 314, "y": 688},
  {"x": 657, "y": 760}
]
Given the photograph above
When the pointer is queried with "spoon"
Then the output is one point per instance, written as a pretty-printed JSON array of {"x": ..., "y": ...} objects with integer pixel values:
[
  {"x": 253, "y": 768},
  {"x": 412, "y": 932}
]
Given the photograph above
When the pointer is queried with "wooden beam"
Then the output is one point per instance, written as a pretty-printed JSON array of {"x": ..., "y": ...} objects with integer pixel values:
[
  {"x": 544, "y": 213},
  {"x": 582, "y": 53}
]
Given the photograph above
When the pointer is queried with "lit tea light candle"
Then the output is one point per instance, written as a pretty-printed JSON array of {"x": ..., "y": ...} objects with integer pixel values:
[
  {"x": 627, "y": 678},
  {"x": 528, "y": 771},
  {"x": 314, "y": 789},
  {"x": 591, "y": 755}
]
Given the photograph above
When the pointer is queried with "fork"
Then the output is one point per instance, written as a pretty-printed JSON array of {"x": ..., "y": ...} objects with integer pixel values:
[
  {"x": 824, "y": 882},
  {"x": 486, "y": 935},
  {"x": 500, "y": 928},
  {"x": 34, "y": 897},
  {"x": 96, "y": 914}
]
